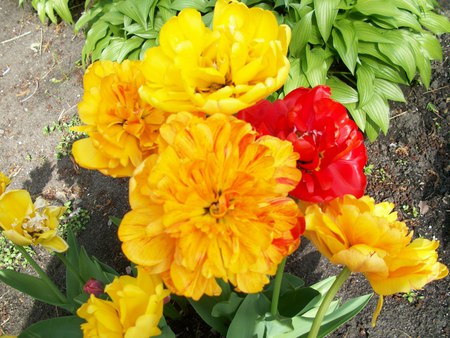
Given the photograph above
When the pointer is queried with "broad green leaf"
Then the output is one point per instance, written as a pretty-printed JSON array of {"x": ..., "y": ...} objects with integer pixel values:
[
  {"x": 365, "y": 77},
  {"x": 296, "y": 77},
  {"x": 62, "y": 8},
  {"x": 99, "y": 47},
  {"x": 388, "y": 90},
  {"x": 316, "y": 66},
  {"x": 377, "y": 7},
  {"x": 136, "y": 29},
  {"x": 67, "y": 327},
  {"x": 137, "y": 10},
  {"x": 408, "y": 5},
  {"x": 245, "y": 320},
  {"x": 342, "y": 92},
  {"x": 227, "y": 309},
  {"x": 200, "y": 5},
  {"x": 86, "y": 18},
  {"x": 97, "y": 32},
  {"x": 406, "y": 19},
  {"x": 50, "y": 12},
  {"x": 324, "y": 285},
  {"x": 114, "y": 17},
  {"x": 358, "y": 115},
  {"x": 298, "y": 301},
  {"x": 73, "y": 285},
  {"x": 371, "y": 48},
  {"x": 372, "y": 129},
  {"x": 384, "y": 70},
  {"x": 399, "y": 52},
  {"x": 166, "y": 331},
  {"x": 346, "y": 43},
  {"x": 272, "y": 326},
  {"x": 325, "y": 12},
  {"x": 422, "y": 62},
  {"x": 367, "y": 32},
  {"x": 436, "y": 23},
  {"x": 32, "y": 286},
  {"x": 378, "y": 111},
  {"x": 288, "y": 283},
  {"x": 300, "y": 34},
  {"x": 430, "y": 46},
  {"x": 119, "y": 48}
]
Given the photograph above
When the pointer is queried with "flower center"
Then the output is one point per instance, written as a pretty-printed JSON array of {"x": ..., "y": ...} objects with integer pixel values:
[
  {"x": 34, "y": 226},
  {"x": 219, "y": 208}
]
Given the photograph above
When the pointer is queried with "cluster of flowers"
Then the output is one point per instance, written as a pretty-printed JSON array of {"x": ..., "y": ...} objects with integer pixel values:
[{"x": 223, "y": 182}]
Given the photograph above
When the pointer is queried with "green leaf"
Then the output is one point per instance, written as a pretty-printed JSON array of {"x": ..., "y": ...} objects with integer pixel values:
[
  {"x": 97, "y": 32},
  {"x": 67, "y": 327},
  {"x": 297, "y": 301},
  {"x": 342, "y": 92},
  {"x": 86, "y": 18},
  {"x": 372, "y": 129},
  {"x": 388, "y": 90},
  {"x": 30, "y": 285},
  {"x": 300, "y": 34},
  {"x": 296, "y": 77},
  {"x": 166, "y": 331},
  {"x": 408, "y": 5},
  {"x": 50, "y": 13},
  {"x": 430, "y": 46},
  {"x": 384, "y": 70},
  {"x": 371, "y": 48},
  {"x": 99, "y": 47},
  {"x": 378, "y": 111},
  {"x": 325, "y": 13},
  {"x": 377, "y": 7},
  {"x": 406, "y": 19},
  {"x": 73, "y": 286},
  {"x": 358, "y": 115},
  {"x": 317, "y": 63},
  {"x": 399, "y": 52},
  {"x": 62, "y": 9},
  {"x": 367, "y": 32},
  {"x": 365, "y": 77},
  {"x": 137, "y": 10},
  {"x": 245, "y": 320},
  {"x": 146, "y": 45},
  {"x": 346, "y": 43},
  {"x": 119, "y": 48},
  {"x": 227, "y": 309},
  {"x": 436, "y": 23},
  {"x": 200, "y": 5}
]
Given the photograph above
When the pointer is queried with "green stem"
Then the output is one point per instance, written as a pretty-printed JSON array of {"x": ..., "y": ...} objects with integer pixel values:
[
  {"x": 42, "y": 274},
  {"x": 340, "y": 279},
  {"x": 70, "y": 267},
  {"x": 277, "y": 287}
]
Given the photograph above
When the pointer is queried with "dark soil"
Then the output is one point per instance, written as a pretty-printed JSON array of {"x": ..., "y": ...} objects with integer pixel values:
[{"x": 40, "y": 83}]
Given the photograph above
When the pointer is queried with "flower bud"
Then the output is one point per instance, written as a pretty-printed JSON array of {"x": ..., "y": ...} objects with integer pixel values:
[{"x": 93, "y": 287}]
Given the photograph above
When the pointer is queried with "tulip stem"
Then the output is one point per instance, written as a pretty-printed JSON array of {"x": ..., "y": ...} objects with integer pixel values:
[
  {"x": 277, "y": 287},
  {"x": 340, "y": 279},
  {"x": 70, "y": 267},
  {"x": 42, "y": 274}
]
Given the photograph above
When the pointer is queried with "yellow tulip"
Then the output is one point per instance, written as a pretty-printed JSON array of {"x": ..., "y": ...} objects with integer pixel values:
[
  {"x": 122, "y": 128},
  {"x": 367, "y": 237},
  {"x": 212, "y": 204},
  {"x": 238, "y": 62},
  {"x": 134, "y": 310},
  {"x": 25, "y": 223},
  {"x": 4, "y": 182}
]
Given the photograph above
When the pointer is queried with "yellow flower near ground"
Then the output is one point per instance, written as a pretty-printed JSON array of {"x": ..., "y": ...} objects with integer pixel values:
[
  {"x": 367, "y": 237},
  {"x": 25, "y": 223},
  {"x": 122, "y": 128},
  {"x": 134, "y": 311},
  {"x": 238, "y": 62},
  {"x": 213, "y": 204},
  {"x": 4, "y": 182}
]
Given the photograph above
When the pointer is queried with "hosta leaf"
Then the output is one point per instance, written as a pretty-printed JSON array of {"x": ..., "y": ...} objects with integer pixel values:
[
  {"x": 408, "y": 5},
  {"x": 99, "y": 47},
  {"x": 430, "y": 46},
  {"x": 376, "y": 7},
  {"x": 325, "y": 13},
  {"x": 300, "y": 34},
  {"x": 138, "y": 10},
  {"x": 371, "y": 48},
  {"x": 342, "y": 92},
  {"x": 378, "y": 110},
  {"x": 358, "y": 115},
  {"x": 119, "y": 48},
  {"x": 138, "y": 30},
  {"x": 384, "y": 70},
  {"x": 296, "y": 77},
  {"x": 114, "y": 17},
  {"x": 436, "y": 23},
  {"x": 97, "y": 32},
  {"x": 316, "y": 66},
  {"x": 62, "y": 8},
  {"x": 406, "y": 19},
  {"x": 399, "y": 52},
  {"x": 87, "y": 17},
  {"x": 372, "y": 129},
  {"x": 50, "y": 13},
  {"x": 345, "y": 42},
  {"x": 365, "y": 77},
  {"x": 40, "y": 9},
  {"x": 367, "y": 32},
  {"x": 388, "y": 90},
  {"x": 200, "y": 5}
]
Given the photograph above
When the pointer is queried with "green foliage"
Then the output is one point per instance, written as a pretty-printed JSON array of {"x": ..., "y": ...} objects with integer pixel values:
[
  {"x": 74, "y": 220},
  {"x": 67, "y": 327},
  {"x": 239, "y": 315},
  {"x": 50, "y": 9},
  {"x": 10, "y": 257},
  {"x": 68, "y": 137}
]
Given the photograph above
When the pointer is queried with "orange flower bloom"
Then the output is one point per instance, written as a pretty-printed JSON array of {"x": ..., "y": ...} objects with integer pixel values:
[
  {"x": 368, "y": 238},
  {"x": 213, "y": 204},
  {"x": 238, "y": 62},
  {"x": 122, "y": 128}
]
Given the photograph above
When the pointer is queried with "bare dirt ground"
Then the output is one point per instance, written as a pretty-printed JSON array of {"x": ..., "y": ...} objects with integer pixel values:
[{"x": 41, "y": 83}]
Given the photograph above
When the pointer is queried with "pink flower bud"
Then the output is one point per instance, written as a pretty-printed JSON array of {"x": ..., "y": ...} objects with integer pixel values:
[{"x": 94, "y": 287}]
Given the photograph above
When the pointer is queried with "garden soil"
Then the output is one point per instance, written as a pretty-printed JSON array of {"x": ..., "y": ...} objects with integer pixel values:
[{"x": 41, "y": 84}]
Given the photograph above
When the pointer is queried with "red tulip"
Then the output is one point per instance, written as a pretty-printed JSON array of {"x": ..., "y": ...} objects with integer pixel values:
[
  {"x": 331, "y": 148},
  {"x": 94, "y": 287}
]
